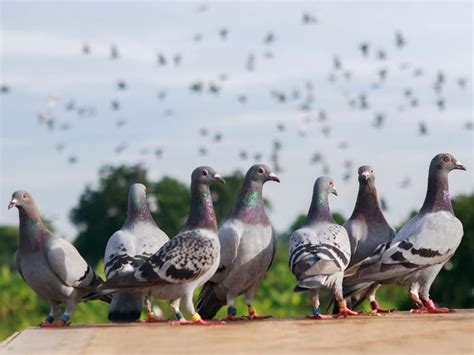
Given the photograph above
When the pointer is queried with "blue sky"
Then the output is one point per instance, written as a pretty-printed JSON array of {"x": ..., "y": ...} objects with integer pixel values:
[{"x": 41, "y": 57}]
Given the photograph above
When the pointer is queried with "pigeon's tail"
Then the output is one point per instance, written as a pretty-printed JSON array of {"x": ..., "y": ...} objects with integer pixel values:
[
  {"x": 104, "y": 294},
  {"x": 208, "y": 304},
  {"x": 310, "y": 283},
  {"x": 125, "y": 307}
]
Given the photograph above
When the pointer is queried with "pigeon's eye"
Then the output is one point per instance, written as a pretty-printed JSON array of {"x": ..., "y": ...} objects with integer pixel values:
[
  {"x": 24, "y": 197},
  {"x": 446, "y": 159},
  {"x": 330, "y": 183},
  {"x": 371, "y": 171},
  {"x": 261, "y": 170},
  {"x": 204, "y": 173}
]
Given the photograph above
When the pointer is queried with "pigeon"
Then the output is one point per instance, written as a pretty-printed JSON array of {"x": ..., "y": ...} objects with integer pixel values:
[
  {"x": 248, "y": 246},
  {"x": 367, "y": 227},
  {"x": 320, "y": 251},
  {"x": 50, "y": 265},
  {"x": 127, "y": 249},
  {"x": 182, "y": 264},
  {"x": 421, "y": 247}
]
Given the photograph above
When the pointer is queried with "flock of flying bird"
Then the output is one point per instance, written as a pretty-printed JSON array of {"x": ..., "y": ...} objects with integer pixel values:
[
  {"x": 141, "y": 261},
  {"x": 301, "y": 96}
]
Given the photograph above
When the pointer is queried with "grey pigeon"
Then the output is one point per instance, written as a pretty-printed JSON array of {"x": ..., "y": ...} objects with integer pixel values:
[
  {"x": 248, "y": 245},
  {"x": 127, "y": 249},
  {"x": 367, "y": 228},
  {"x": 423, "y": 245},
  {"x": 320, "y": 251},
  {"x": 50, "y": 265},
  {"x": 185, "y": 262}
]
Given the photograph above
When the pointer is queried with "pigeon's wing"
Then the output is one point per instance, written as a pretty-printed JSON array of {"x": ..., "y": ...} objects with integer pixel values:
[
  {"x": 424, "y": 241},
  {"x": 183, "y": 259},
  {"x": 16, "y": 259},
  {"x": 274, "y": 247},
  {"x": 311, "y": 256},
  {"x": 120, "y": 254},
  {"x": 68, "y": 265},
  {"x": 229, "y": 238}
]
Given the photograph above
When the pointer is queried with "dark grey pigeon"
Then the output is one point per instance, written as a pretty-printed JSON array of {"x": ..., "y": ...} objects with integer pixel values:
[
  {"x": 320, "y": 251},
  {"x": 423, "y": 245},
  {"x": 50, "y": 265},
  {"x": 185, "y": 262},
  {"x": 367, "y": 229},
  {"x": 127, "y": 249},
  {"x": 248, "y": 246}
]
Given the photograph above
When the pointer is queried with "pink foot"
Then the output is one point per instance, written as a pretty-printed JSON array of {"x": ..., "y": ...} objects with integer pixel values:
[
  {"x": 344, "y": 312},
  {"x": 433, "y": 309},
  {"x": 320, "y": 316},
  {"x": 47, "y": 325},
  {"x": 253, "y": 316},
  {"x": 61, "y": 324},
  {"x": 199, "y": 322},
  {"x": 151, "y": 319},
  {"x": 376, "y": 308}
]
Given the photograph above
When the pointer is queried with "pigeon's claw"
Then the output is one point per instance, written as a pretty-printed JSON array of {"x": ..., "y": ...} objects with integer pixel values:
[
  {"x": 151, "y": 318},
  {"x": 377, "y": 309},
  {"x": 346, "y": 311}
]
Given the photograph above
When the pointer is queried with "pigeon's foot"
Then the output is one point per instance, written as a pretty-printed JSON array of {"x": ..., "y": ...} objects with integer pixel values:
[
  {"x": 47, "y": 324},
  {"x": 377, "y": 309},
  {"x": 419, "y": 310},
  {"x": 344, "y": 312},
  {"x": 197, "y": 320},
  {"x": 232, "y": 318},
  {"x": 62, "y": 323},
  {"x": 255, "y": 317},
  {"x": 320, "y": 316},
  {"x": 151, "y": 318},
  {"x": 433, "y": 309},
  {"x": 181, "y": 321}
]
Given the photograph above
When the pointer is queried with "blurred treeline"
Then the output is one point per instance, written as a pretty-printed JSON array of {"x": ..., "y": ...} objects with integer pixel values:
[{"x": 100, "y": 211}]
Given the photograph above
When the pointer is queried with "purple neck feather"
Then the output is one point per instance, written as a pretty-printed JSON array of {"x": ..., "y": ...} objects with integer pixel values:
[
  {"x": 319, "y": 210},
  {"x": 437, "y": 195},
  {"x": 201, "y": 214},
  {"x": 138, "y": 211},
  {"x": 367, "y": 204},
  {"x": 32, "y": 230},
  {"x": 249, "y": 208}
]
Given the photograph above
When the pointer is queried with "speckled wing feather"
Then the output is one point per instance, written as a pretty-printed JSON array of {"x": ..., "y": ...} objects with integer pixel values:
[
  {"x": 183, "y": 259},
  {"x": 68, "y": 265}
]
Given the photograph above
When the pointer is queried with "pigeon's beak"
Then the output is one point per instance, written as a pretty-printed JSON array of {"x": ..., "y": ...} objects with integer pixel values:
[
  {"x": 459, "y": 166},
  {"x": 218, "y": 178},
  {"x": 366, "y": 175},
  {"x": 12, "y": 203},
  {"x": 273, "y": 177},
  {"x": 334, "y": 191}
]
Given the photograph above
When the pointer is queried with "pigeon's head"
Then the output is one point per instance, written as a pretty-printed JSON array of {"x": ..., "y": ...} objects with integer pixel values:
[
  {"x": 325, "y": 184},
  {"x": 205, "y": 175},
  {"x": 366, "y": 174},
  {"x": 137, "y": 194},
  {"x": 261, "y": 173},
  {"x": 446, "y": 162},
  {"x": 21, "y": 199}
]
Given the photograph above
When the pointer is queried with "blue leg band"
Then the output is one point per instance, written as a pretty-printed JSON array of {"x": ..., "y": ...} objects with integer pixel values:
[
  {"x": 65, "y": 318},
  {"x": 50, "y": 319},
  {"x": 178, "y": 315},
  {"x": 316, "y": 311},
  {"x": 231, "y": 311}
]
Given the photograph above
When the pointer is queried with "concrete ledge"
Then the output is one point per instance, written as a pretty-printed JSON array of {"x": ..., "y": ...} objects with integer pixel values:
[{"x": 400, "y": 332}]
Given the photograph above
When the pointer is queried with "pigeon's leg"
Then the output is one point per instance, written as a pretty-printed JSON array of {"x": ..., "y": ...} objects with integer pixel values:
[
  {"x": 419, "y": 306},
  {"x": 196, "y": 318},
  {"x": 231, "y": 310},
  {"x": 49, "y": 321},
  {"x": 316, "y": 310},
  {"x": 250, "y": 294},
  {"x": 69, "y": 310},
  {"x": 344, "y": 311},
  {"x": 150, "y": 315},
  {"x": 429, "y": 276},
  {"x": 177, "y": 313},
  {"x": 373, "y": 302}
]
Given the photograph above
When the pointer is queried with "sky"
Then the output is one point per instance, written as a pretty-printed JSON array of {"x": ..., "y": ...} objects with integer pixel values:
[{"x": 44, "y": 67}]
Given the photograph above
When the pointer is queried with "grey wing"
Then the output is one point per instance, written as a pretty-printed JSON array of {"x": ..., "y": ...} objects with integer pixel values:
[
  {"x": 16, "y": 259},
  {"x": 68, "y": 265},
  {"x": 422, "y": 242},
  {"x": 274, "y": 246},
  {"x": 311, "y": 257},
  {"x": 183, "y": 259},
  {"x": 229, "y": 238}
]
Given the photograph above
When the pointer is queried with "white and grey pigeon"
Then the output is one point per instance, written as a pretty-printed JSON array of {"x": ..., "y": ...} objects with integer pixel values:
[
  {"x": 50, "y": 265},
  {"x": 183, "y": 263},
  {"x": 320, "y": 251},
  {"x": 127, "y": 249},
  {"x": 423, "y": 245},
  {"x": 367, "y": 229},
  {"x": 248, "y": 245}
]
